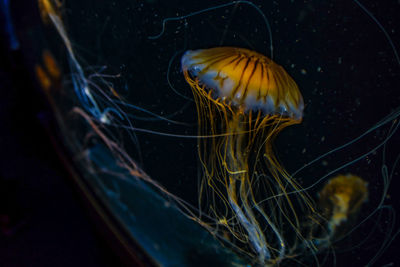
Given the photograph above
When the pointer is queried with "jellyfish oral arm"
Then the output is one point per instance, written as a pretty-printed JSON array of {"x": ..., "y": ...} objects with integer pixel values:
[{"x": 254, "y": 234}]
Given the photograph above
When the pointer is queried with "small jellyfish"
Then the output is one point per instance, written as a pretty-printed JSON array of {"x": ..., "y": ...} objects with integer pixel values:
[{"x": 341, "y": 199}]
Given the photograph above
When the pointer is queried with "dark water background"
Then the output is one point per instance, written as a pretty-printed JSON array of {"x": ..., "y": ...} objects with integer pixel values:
[{"x": 341, "y": 60}]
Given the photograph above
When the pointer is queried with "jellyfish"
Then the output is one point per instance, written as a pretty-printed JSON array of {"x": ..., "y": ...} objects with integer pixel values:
[
  {"x": 243, "y": 100},
  {"x": 341, "y": 199}
]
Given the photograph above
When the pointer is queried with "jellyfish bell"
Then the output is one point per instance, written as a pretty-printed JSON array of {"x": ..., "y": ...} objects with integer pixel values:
[{"x": 247, "y": 79}]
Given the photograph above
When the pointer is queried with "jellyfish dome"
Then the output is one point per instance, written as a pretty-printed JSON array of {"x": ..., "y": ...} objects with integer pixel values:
[{"x": 247, "y": 79}]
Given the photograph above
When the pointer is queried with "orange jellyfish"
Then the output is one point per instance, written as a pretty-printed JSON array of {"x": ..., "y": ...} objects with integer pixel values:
[
  {"x": 339, "y": 203},
  {"x": 341, "y": 199},
  {"x": 243, "y": 100}
]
